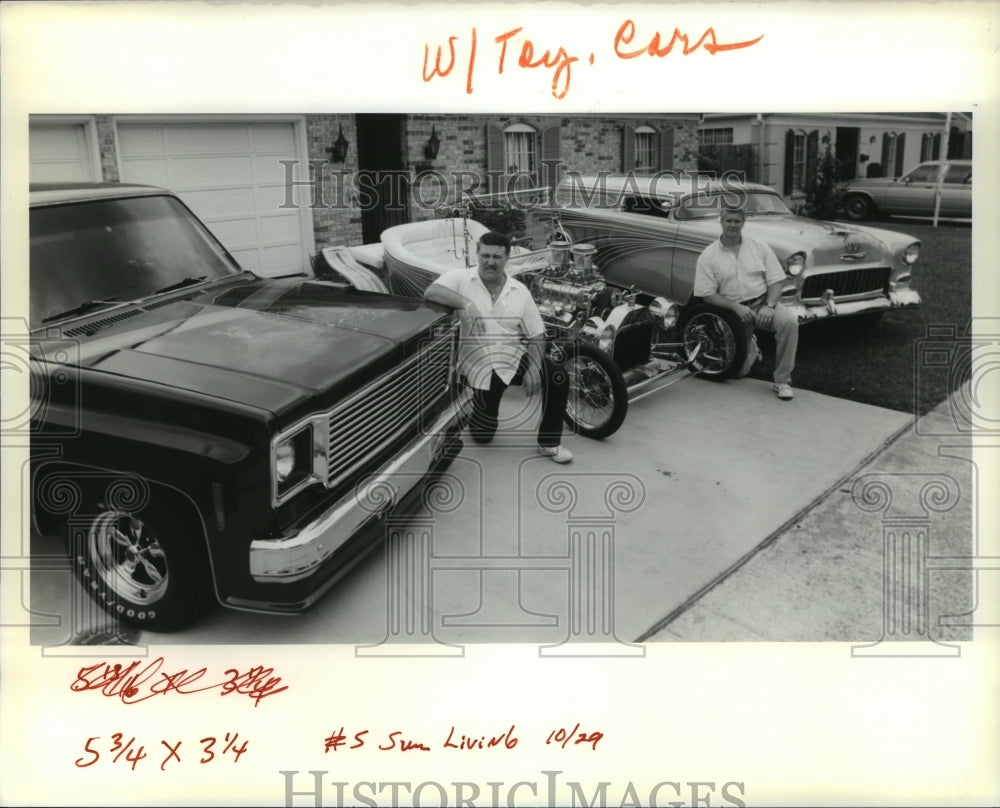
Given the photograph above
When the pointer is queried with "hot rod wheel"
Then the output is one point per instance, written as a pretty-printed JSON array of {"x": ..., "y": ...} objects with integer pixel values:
[
  {"x": 598, "y": 396},
  {"x": 715, "y": 341}
]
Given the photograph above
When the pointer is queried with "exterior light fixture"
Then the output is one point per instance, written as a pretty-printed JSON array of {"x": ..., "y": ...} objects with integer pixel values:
[
  {"x": 433, "y": 144},
  {"x": 338, "y": 151}
]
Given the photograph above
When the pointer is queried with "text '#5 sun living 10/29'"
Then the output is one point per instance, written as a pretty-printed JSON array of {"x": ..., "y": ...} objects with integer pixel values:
[{"x": 525, "y": 51}]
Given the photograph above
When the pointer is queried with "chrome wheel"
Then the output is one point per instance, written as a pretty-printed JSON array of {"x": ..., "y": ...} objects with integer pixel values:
[
  {"x": 127, "y": 558},
  {"x": 714, "y": 342}
]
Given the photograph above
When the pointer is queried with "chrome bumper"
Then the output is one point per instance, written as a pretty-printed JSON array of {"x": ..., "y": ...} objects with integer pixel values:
[
  {"x": 294, "y": 557},
  {"x": 897, "y": 298}
]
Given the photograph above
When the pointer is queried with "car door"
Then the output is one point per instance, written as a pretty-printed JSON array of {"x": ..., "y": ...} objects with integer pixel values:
[
  {"x": 640, "y": 251},
  {"x": 956, "y": 191},
  {"x": 913, "y": 193}
]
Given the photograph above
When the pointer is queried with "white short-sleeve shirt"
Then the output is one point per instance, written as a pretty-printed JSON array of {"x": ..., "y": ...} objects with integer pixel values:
[
  {"x": 741, "y": 275},
  {"x": 498, "y": 346}
]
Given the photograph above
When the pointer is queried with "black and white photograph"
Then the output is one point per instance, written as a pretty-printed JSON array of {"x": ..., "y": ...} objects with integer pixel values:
[{"x": 538, "y": 435}]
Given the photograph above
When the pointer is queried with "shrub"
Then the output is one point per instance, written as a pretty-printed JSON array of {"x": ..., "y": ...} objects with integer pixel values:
[{"x": 823, "y": 192}]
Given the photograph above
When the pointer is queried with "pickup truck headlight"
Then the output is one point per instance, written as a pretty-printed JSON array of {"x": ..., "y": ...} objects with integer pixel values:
[{"x": 293, "y": 460}]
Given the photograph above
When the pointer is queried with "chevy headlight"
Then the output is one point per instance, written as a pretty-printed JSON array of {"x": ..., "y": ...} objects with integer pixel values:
[
  {"x": 293, "y": 460},
  {"x": 911, "y": 253},
  {"x": 795, "y": 263}
]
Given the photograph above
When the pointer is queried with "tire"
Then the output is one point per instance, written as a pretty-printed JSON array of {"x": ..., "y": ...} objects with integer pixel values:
[
  {"x": 715, "y": 342},
  {"x": 857, "y": 208},
  {"x": 147, "y": 568},
  {"x": 598, "y": 396}
]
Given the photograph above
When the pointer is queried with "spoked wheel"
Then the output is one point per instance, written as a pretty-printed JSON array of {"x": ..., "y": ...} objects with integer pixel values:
[
  {"x": 598, "y": 395},
  {"x": 145, "y": 568},
  {"x": 715, "y": 343}
]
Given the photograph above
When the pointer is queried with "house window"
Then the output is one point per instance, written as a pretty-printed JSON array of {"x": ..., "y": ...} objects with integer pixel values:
[
  {"x": 799, "y": 161},
  {"x": 930, "y": 147},
  {"x": 646, "y": 161},
  {"x": 520, "y": 154},
  {"x": 714, "y": 137}
]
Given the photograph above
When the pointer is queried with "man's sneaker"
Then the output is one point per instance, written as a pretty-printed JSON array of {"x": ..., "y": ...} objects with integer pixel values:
[
  {"x": 558, "y": 454},
  {"x": 784, "y": 391}
]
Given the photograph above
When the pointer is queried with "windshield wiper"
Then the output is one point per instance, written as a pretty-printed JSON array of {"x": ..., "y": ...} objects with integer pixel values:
[
  {"x": 181, "y": 284},
  {"x": 83, "y": 308}
]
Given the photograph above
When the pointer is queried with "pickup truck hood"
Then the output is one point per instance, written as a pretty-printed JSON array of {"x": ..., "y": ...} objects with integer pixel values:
[{"x": 265, "y": 343}]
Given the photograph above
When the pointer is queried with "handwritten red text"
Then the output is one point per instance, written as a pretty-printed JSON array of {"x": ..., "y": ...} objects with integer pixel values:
[
  {"x": 131, "y": 753},
  {"x": 137, "y": 682},
  {"x": 626, "y": 33}
]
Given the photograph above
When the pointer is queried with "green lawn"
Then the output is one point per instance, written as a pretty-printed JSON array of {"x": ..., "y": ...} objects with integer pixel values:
[{"x": 880, "y": 364}]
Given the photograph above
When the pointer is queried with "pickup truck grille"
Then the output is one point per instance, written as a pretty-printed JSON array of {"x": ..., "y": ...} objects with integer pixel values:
[
  {"x": 845, "y": 283},
  {"x": 388, "y": 408}
]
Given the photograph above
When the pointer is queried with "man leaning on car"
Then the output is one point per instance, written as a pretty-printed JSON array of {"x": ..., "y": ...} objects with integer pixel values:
[{"x": 740, "y": 273}]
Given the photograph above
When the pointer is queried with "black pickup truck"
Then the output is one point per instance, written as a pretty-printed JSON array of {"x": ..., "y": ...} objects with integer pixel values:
[{"x": 203, "y": 434}]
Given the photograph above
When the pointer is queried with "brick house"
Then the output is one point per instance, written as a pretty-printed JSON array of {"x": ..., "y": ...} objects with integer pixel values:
[{"x": 278, "y": 188}]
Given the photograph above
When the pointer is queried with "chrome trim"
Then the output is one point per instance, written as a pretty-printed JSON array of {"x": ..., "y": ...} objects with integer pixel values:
[
  {"x": 298, "y": 555},
  {"x": 374, "y": 416}
]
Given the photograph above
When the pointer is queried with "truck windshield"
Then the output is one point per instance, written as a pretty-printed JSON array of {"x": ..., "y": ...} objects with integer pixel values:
[{"x": 114, "y": 250}]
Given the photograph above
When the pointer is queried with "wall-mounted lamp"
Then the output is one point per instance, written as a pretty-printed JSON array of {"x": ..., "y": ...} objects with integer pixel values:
[
  {"x": 433, "y": 144},
  {"x": 338, "y": 151},
  {"x": 871, "y": 139}
]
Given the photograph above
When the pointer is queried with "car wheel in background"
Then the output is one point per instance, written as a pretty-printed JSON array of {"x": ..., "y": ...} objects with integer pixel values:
[{"x": 858, "y": 208}]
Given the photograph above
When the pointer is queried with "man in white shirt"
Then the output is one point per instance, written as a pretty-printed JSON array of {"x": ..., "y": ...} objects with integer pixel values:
[
  {"x": 499, "y": 318},
  {"x": 742, "y": 274}
]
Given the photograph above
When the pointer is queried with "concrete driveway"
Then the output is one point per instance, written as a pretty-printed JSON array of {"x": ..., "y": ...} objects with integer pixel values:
[{"x": 515, "y": 548}]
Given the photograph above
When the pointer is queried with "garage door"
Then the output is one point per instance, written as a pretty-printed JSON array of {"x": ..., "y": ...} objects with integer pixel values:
[
  {"x": 230, "y": 174},
  {"x": 61, "y": 153}
]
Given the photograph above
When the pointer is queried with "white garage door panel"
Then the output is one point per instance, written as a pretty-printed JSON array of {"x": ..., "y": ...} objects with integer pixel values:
[
  {"x": 278, "y": 255},
  {"x": 274, "y": 199},
  {"x": 268, "y": 170},
  {"x": 276, "y": 137},
  {"x": 279, "y": 229},
  {"x": 236, "y": 234},
  {"x": 210, "y": 138},
  {"x": 230, "y": 174},
  {"x": 222, "y": 203},
  {"x": 213, "y": 172},
  {"x": 153, "y": 171},
  {"x": 59, "y": 153},
  {"x": 142, "y": 140}
]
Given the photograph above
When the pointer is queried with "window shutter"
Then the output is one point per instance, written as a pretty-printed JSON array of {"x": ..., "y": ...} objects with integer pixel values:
[
  {"x": 495, "y": 157},
  {"x": 551, "y": 154},
  {"x": 900, "y": 150},
  {"x": 667, "y": 148},
  {"x": 628, "y": 148},
  {"x": 789, "y": 159},
  {"x": 812, "y": 153}
]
